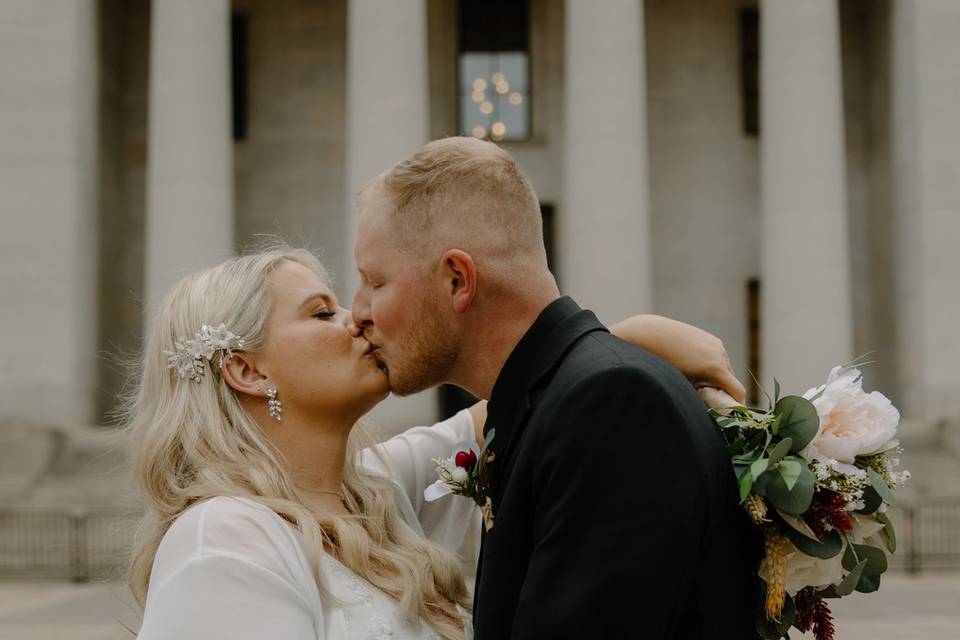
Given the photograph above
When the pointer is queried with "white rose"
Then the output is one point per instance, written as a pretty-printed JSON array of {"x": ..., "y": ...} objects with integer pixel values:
[
  {"x": 806, "y": 571},
  {"x": 459, "y": 475},
  {"x": 852, "y": 422}
]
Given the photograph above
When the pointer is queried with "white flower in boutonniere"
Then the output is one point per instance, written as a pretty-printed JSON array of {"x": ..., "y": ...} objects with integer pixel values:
[{"x": 464, "y": 473}]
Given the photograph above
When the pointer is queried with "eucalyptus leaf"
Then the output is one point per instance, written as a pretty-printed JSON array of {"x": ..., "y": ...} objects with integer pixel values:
[
  {"x": 880, "y": 486},
  {"x": 790, "y": 471},
  {"x": 876, "y": 559},
  {"x": 798, "y": 420},
  {"x": 829, "y": 592},
  {"x": 746, "y": 483},
  {"x": 760, "y": 484},
  {"x": 887, "y": 533},
  {"x": 780, "y": 450},
  {"x": 775, "y": 629},
  {"x": 798, "y": 524},
  {"x": 850, "y": 559},
  {"x": 871, "y": 501},
  {"x": 849, "y": 583},
  {"x": 759, "y": 467},
  {"x": 868, "y": 584},
  {"x": 825, "y": 548},
  {"x": 794, "y": 501},
  {"x": 736, "y": 446},
  {"x": 776, "y": 390}
]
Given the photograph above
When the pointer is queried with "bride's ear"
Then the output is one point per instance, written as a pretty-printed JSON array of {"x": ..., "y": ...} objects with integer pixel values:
[{"x": 241, "y": 373}]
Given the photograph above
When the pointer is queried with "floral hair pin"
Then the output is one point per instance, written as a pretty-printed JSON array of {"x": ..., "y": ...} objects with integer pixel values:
[
  {"x": 188, "y": 358},
  {"x": 464, "y": 473}
]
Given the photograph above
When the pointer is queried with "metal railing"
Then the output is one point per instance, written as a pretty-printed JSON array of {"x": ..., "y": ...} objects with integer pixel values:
[
  {"x": 96, "y": 544},
  {"x": 79, "y": 546}
]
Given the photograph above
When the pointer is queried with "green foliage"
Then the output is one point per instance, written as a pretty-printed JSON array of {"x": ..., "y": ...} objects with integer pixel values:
[
  {"x": 793, "y": 500},
  {"x": 887, "y": 533},
  {"x": 825, "y": 548},
  {"x": 798, "y": 421},
  {"x": 774, "y": 629}
]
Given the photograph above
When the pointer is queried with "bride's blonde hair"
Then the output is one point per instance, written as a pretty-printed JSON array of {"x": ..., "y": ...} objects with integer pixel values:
[{"x": 190, "y": 441}]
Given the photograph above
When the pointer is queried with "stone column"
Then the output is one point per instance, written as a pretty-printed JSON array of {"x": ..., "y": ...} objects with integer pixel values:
[
  {"x": 603, "y": 226},
  {"x": 387, "y": 120},
  {"x": 190, "y": 164},
  {"x": 925, "y": 150},
  {"x": 48, "y": 178},
  {"x": 806, "y": 309}
]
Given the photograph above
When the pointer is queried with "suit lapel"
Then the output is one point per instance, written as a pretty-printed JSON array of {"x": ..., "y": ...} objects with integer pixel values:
[{"x": 544, "y": 362}]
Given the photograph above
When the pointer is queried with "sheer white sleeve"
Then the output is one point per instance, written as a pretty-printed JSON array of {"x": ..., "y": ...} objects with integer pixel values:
[
  {"x": 409, "y": 462},
  {"x": 217, "y": 596},
  {"x": 230, "y": 569}
]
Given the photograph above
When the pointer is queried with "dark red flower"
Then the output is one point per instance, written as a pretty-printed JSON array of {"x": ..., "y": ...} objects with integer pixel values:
[
  {"x": 828, "y": 508},
  {"x": 822, "y": 621},
  {"x": 805, "y": 601},
  {"x": 465, "y": 459}
]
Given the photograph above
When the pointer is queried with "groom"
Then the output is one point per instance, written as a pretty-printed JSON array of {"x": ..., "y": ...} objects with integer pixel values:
[{"x": 616, "y": 508}]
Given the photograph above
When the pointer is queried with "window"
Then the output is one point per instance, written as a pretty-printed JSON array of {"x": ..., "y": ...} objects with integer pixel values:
[{"x": 494, "y": 69}]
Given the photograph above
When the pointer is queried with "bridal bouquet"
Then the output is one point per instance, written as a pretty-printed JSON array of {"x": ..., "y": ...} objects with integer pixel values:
[{"x": 816, "y": 475}]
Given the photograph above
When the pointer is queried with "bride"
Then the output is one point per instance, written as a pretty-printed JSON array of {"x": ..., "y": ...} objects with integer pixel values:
[{"x": 269, "y": 512}]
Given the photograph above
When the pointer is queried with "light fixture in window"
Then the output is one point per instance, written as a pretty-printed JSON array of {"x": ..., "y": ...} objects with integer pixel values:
[
  {"x": 494, "y": 87},
  {"x": 498, "y": 130},
  {"x": 479, "y": 132}
]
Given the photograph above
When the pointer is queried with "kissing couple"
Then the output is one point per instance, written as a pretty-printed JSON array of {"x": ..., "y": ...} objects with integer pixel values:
[{"x": 270, "y": 513}]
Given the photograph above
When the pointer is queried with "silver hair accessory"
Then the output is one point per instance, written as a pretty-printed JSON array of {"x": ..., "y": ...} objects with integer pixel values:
[
  {"x": 187, "y": 361},
  {"x": 274, "y": 406}
]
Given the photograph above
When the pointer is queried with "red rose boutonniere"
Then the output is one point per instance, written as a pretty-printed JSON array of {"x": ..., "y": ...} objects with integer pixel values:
[{"x": 464, "y": 473}]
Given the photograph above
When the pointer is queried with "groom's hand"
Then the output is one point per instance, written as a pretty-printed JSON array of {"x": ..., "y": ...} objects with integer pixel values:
[{"x": 700, "y": 356}]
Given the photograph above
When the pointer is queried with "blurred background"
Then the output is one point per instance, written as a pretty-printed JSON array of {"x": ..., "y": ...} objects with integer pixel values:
[{"x": 782, "y": 173}]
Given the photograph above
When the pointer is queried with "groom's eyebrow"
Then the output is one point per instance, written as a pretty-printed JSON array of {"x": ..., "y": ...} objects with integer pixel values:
[{"x": 319, "y": 296}]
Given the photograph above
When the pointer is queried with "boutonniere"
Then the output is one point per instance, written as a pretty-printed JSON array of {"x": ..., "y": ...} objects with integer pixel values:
[{"x": 464, "y": 473}]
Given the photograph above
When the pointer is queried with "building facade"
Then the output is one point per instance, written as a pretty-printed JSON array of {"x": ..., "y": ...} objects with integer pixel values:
[{"x": 783, "y": 174}]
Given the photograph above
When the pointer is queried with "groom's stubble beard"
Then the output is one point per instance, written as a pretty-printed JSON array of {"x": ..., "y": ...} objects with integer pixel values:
[{"x": 427, "y": 354}]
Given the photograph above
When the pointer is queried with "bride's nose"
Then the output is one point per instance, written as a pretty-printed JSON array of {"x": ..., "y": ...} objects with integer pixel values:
[{"x": 346, "y": 318}]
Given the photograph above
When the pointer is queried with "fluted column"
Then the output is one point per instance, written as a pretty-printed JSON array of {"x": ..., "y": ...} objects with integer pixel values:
[
  {"x": 387, "y": 118},
  {"x": 807, "y": 318},
  {"x": 48, "y": 221},
  {"x": 190, "y": 218},
  {"x": 604, "y": 237},
  {"x": 926, "y": 187}
]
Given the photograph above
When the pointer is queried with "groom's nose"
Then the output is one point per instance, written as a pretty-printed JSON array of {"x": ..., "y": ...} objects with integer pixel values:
[{"x": 360, "y": 309}]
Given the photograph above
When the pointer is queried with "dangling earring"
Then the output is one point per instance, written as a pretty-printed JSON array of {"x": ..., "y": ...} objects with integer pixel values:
[{"x": 274, "y": 406}]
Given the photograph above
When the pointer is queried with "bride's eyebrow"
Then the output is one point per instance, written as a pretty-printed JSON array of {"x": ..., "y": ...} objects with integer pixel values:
[{"x": 326, "y": 297}]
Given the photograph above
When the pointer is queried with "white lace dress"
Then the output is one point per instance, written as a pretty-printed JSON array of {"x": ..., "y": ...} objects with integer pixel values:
[{"x": 231, "y": 568}]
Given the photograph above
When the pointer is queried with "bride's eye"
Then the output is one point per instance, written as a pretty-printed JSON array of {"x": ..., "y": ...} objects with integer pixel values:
[{"x": 324, "y": 314}]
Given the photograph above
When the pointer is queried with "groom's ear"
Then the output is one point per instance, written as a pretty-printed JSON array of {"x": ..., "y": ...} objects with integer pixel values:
[
  {"x": 460, "y": 278},
  {"x": 241, "y": 374}
]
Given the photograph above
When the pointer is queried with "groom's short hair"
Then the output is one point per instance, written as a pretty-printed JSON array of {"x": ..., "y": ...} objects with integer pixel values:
[{"x": 464, "y": 190}]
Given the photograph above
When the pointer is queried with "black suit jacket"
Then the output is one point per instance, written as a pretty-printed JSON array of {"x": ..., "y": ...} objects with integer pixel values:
[{"x": 616, "y": 506}]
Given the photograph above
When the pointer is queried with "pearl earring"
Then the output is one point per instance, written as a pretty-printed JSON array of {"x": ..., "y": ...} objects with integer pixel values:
[{"x": 274, "y": 406}]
